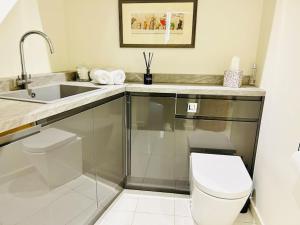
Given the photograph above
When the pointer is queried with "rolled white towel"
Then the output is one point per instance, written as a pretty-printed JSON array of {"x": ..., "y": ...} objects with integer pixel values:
[
  {"x": 101, "y": 76},
  {"x": 118, "y": 76},
  {"x": 92, "y": 73}
]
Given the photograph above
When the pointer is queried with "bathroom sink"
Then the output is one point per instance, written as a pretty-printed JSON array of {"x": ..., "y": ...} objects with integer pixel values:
[{"x": 48, "y": 94}]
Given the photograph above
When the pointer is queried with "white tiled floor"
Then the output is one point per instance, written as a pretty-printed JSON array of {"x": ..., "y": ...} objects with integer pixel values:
[{"x": 149, "y": 208}]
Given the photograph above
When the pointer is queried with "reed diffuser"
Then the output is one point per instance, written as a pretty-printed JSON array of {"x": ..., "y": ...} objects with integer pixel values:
[{"x": 148, "y": 75}]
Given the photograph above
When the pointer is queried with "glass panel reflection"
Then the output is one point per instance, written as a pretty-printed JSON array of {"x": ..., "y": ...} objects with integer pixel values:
[
  {"x": 46, "y": 178},
  {"x": 220, "y": 108},
  {"x": 66, "y": 174},
  {"x": 152, "y": 143},
  {"x": 108, "y": 130},
  {"x": 214, "y": 137}
]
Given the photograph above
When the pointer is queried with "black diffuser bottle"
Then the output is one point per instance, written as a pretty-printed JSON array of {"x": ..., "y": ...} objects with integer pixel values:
[{"x": 148, "y": 75}]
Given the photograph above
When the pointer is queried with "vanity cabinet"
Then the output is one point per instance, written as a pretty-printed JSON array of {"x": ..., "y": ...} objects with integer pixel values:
[
  {"x": 101, "y": 128},
  {"x": 165, "y": 129},
  {"x": 75, "y": 158},
  {"x": 84, "y": 157}
]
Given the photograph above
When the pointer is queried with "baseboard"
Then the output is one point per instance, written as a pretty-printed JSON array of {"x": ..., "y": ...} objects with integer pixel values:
[{"x": 255, "y": 213}]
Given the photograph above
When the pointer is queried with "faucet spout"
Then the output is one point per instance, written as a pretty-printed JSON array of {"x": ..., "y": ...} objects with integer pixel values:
[{"x": 24, "y": 81}]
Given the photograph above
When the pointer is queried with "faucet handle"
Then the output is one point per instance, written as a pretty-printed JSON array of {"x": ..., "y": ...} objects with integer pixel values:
[{"x": 19, "y": 81}]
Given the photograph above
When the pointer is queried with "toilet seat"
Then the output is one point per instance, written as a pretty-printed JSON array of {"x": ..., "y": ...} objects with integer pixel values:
[{"x": 220, "y": 176}]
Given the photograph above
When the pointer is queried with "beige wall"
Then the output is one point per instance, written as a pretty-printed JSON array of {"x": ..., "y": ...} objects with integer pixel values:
[
  {"x": 276, "y": 184},
  {"x": 87, "y": 32},
  {"x": 5, "y": 7},
  {"x": 53, "y": 22},
  {"x": 224, "y": 29},
  {"x": 265, "y": 30},
  {"x": 27, "y": 15}
]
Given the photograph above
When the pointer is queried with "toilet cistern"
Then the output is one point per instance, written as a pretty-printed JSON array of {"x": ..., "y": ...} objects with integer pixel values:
[{"x": 24, "y": 81}]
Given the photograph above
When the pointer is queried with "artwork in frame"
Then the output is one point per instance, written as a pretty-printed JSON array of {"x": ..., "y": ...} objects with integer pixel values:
[{"x": 157, "y": 23}]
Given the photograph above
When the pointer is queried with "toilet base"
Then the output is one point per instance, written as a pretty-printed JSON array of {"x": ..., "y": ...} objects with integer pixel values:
[{"x": 208, "y": 210}]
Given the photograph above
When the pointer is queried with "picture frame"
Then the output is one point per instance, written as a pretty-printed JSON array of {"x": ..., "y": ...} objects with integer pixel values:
[{"x": 157, "y": 23}]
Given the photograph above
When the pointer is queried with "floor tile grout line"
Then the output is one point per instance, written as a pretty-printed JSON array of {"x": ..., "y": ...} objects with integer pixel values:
[
  {"x": 139, "y": 196},
  {"x": 134, "y": 212},
  {"x": 154, "y": 213},
  {"x": 174, "y": 202},
  {"x": 133, "y": 217}
]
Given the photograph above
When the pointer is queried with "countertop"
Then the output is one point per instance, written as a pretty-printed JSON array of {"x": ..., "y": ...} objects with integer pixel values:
[{"x": 17, "y": 113}]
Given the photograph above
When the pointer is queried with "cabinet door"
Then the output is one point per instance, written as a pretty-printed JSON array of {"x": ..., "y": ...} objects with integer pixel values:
[
  {"x": 152, "y": 154},
  {"x": 108, "y": 126},
  {"x": 44, "y": 174},
  {"x": 213, "y": 137},
  {"x": 78, "y": 165},
  {"x": 220, "y": 108}
]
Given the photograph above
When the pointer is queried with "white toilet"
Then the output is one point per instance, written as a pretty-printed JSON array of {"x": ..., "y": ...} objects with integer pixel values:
[
  {"x": 220, "y": 186},
  {"x": 56, "y": 154}
]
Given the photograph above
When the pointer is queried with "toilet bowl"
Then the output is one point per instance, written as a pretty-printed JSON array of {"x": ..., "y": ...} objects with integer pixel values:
[
  {"x": 56, "y": 154},
  {"x": 220, "y": 186}
]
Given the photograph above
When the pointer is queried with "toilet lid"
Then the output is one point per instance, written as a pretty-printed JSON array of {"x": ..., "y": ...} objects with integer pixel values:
[
  {"x": 47, "y": 140},
  {"x": 221, "y": 176}
]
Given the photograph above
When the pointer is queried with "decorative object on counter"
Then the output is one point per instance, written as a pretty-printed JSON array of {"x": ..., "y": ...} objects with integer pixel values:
[
  {"x": 234, "y": 76},
  {"x": 189, "y": 79},
  {"x": 157, "y": 23},
  {"x": 148, "y": 75},
  {"x": 118, "y": 76},
  {"x": 253, "y": 77},
  {"x": 100, "y": 76},
  {"x": 83, "y": 74}
]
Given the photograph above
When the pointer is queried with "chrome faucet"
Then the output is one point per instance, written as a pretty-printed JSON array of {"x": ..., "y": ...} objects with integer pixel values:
[{"x": 25, "y": 80}]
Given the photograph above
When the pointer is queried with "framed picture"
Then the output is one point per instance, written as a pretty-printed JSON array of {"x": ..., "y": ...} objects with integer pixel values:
[{"x": 157, "y": 23}]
